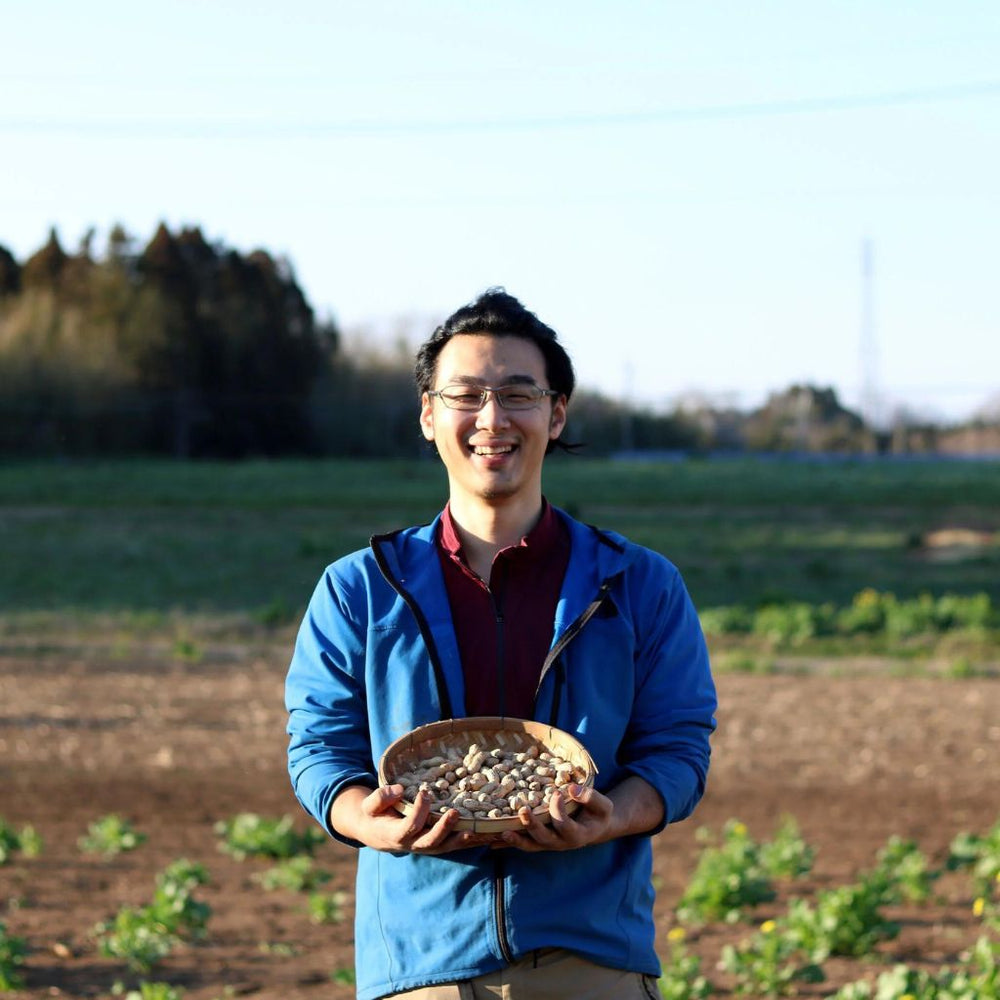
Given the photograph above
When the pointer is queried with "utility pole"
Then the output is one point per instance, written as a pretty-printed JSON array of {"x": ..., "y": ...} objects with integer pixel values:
[{"x": 871, "y": 408}]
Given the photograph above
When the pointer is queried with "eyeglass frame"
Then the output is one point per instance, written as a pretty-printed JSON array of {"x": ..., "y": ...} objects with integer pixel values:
[{"x": 485, "y": 391}]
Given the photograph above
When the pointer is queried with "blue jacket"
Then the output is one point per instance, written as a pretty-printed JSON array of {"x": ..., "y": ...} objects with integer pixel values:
[{"x": 627, "y": 674}]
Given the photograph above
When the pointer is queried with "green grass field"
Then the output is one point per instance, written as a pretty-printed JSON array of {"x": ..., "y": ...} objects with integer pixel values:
[{"x": 159, "y": 536}]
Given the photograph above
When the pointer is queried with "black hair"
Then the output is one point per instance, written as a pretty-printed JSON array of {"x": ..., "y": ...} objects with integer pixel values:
[
  {"x": 497, "y": 314},
  {"x": 500, "y": 315}
]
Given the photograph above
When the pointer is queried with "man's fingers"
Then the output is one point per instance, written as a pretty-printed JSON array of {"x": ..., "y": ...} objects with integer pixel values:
[
  {"x": 382, "y": 799},
  {"x": 385, "y": 798},
  {"x": 435, "y": 835},
  {"x": 557, "y": 808},
  {"x": 381, "y": 803},
  {"x": 591, "y": 800}
]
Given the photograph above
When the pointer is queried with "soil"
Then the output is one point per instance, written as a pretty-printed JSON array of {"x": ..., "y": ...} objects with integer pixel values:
[{"x": 176, "y": 744}]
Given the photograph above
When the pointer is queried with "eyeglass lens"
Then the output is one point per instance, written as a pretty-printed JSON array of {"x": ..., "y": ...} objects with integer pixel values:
[{"x": 511, "y": 397}]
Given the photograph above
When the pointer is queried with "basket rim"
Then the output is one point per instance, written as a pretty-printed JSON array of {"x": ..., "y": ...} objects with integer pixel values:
[{"x": 443, "y": 728}]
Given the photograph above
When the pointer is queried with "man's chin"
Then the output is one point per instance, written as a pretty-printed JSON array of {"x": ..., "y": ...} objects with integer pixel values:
[
  {"x": 496, "y": 493},
  {"x": 499, "y": 489}
]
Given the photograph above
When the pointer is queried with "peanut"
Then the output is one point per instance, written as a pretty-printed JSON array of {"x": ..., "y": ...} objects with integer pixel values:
[{"x": 494, "y": 783}]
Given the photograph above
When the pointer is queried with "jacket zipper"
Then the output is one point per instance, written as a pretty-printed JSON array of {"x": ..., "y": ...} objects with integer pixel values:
[
  {"x": 570, "y": 634},
  {"x": 444, "y": 697},
  {"x": 499, "y": 906},
  {"x": 560, "y": 668},
  {"x": 500, "y": 910}
]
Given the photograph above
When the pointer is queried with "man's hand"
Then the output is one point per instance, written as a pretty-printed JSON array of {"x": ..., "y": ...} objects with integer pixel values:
[
  {"x": 632, "y": 807},
  {"x": 371, "y": 818},
  {"x": 591, "y": 823}
]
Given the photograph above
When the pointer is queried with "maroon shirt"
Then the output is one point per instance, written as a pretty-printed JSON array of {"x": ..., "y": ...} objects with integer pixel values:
[{"x": 504, "y": 630}]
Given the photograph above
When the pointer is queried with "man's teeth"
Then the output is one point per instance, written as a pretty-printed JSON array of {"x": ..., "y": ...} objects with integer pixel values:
[{"x": 497, "y": 449}]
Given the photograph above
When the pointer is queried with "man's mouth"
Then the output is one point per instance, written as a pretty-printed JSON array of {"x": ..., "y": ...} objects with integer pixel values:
[{"x": 492, "y": 449}]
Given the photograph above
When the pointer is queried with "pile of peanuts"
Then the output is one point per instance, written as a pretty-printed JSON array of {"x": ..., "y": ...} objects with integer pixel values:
[{"x": 489, "y": 783}]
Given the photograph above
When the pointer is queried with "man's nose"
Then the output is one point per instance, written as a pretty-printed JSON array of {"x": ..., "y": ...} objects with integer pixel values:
[{"x": 492, "y": 413}]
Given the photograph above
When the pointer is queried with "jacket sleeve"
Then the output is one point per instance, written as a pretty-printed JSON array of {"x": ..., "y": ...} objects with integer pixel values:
[
  {"x": 673, "y": 713},
  {"x": 329, "y": 746}
]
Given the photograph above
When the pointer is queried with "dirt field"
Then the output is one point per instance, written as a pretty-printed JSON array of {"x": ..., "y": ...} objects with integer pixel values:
[{"x": 176, "y": 746}]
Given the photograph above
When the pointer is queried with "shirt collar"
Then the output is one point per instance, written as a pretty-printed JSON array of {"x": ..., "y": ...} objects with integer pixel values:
[{"x": 536, "y": 544}]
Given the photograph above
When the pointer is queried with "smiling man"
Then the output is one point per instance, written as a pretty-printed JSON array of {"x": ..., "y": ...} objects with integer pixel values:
[
  {"x": 503, "y": 605},
  {"x": 492, "y": 423}
]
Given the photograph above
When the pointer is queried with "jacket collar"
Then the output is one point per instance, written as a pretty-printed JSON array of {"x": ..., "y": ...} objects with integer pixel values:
[{"x": 595, "y": 555}]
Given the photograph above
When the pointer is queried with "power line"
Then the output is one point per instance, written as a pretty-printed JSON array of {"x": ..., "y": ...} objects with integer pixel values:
[{"x": 225, "y": 128}]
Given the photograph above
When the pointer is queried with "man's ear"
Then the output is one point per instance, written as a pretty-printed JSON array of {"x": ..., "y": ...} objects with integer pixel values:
[
  {"x": 557, "y": 421},
  {"x": 427, "y": 417}
]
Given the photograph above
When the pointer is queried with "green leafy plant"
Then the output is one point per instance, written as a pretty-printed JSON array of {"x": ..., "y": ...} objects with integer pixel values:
[
  {"x": 787, "y": 855},
  {"x": 326, "y": 907},
  {"x": 846, "y": 920},
  {"x": 187, "y": 650},
  {"x": 871, "y": 614},
  {"x": 111, "y": 835},
  {"x": 343, "y": 976},
  {"x": 280, "y": 949},
  {"x": 9, "y": 841},
  {"x": 898, "y": 983},
  {"x": 31, "y": 843},
  {"x": 979, "y": 855},
  {"x": 13, "y": 951},
  {"x": 728, "y": 878},
  {"x": 963, "y": 668},
  {"x": 865, "y": 614},
  {"x": 26, "y": 842},
  {"x": 905, "y": 869},
  {"x": 793, "y": 623},
  {"x": 298, "y": 874},
  {"x": 142, "y": 936},
  {"x": 173, "y": 905},
  {"x": 149, "y": 991},
  {"x": 738, "y": 662},
  {"x": 768, "y": 963},
  {"x": 987, "y": 907},
  {"x": 978, "y": 978},
  {"x": 135, "y": 937},
  {"x": 249, "y": 835},
  {"x": 681, "y": 978},
  {"x": 733, "y": 619}
]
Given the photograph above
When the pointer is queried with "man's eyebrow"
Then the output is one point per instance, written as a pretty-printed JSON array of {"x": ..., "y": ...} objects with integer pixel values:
[{"x": 510, "y": 380}]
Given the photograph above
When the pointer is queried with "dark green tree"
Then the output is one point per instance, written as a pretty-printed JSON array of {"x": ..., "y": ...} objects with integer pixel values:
[
  {"x": 10, "y": 273},
  {"x": 182, "y": 347},
  {"x": 44, "y": 268}
]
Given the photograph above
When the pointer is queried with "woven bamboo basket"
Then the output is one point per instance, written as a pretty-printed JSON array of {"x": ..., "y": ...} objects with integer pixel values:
[{"x": 452, "y": 738}]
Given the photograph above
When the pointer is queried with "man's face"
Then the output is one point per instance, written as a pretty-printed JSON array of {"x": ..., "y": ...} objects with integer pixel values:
[{"x": 492, "y": 454}]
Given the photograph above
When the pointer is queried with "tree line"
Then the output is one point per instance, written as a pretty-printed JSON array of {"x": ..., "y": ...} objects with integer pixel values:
[
  {"x": 180, "y": 346},
  {"x": 190, "y": 348}
]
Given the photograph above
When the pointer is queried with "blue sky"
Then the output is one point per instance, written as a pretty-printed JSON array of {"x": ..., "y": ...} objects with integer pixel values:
[{"x": 683, "y": 191}]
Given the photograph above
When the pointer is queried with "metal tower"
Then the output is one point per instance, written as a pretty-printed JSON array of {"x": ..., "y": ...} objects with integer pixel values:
[{"x": 871, "y": 401}]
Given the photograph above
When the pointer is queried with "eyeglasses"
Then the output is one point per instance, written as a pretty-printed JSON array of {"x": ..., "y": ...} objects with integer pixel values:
[{"x": 473, "y": 397}]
